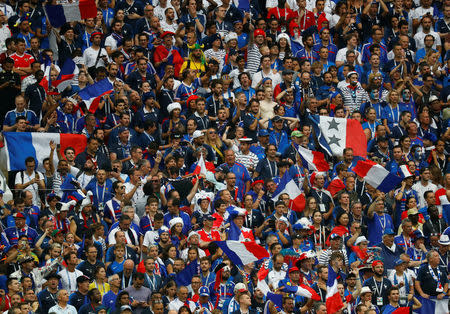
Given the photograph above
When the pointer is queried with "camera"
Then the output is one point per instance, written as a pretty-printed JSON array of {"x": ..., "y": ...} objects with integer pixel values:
[{"x": 272, "y": 223}]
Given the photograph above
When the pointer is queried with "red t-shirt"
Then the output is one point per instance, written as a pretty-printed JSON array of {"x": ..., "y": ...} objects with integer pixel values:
[{"x": 23, "y": 61}]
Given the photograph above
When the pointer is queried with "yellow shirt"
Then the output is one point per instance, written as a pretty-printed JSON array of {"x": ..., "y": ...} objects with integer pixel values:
[
  {"x": 197, "y": 66},
  {"x": 104, "y": 288}
]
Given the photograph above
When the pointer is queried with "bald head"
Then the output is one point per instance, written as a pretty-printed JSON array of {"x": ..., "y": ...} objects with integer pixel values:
[{"x": 128, "y": 265}]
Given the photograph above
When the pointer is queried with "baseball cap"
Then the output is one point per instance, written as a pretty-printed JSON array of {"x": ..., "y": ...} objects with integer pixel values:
[
  {"x": 432, "y": 98},
  {"x": 197, "y": 134},
  {"x": 203, "y": 291},
  {"x": 296, "y": 133},
  {"x": 284, "y": 219},
  {"x": 399, "y": 262},
  {"x": 125, "y": 308},
  {"x": 259, "y": 32},
  {"x": 335, "y": 236},
  {"x": 365, "y": 290},
  {"x": 360, "y": 239},
  {"x": 276, "y": 119},
  {"x": 245, "y": 139},
  {"x": 240, "y": 287},
  {"x": 388, "y": 231},
  {"x": 25, "y": 259},
  {"x": 56, "y": 232},
  {"x": 19, "y": 215},
  {"x": 148, "y": 95},
  {"x": 82, "y": 279},
  {"x": 176, "y": 135},
  {"x": 417, "y": 234},
  {"x": 287, "y": 71},
  {"x": 209, "y": 217},
  {"x": 376, "y": 263},
  {"x": 292, "y": 269},
  {"x": 263, "y": 132},
  {"x": 223, "y": 168}
]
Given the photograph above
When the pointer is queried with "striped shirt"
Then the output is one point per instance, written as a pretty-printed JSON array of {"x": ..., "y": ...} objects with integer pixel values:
[
  {"x": 354, "y": 98},
  {"x": 324, "y": 257},
  {"x": 253, "y": 59},
  {"x": 249, "y": 160}
]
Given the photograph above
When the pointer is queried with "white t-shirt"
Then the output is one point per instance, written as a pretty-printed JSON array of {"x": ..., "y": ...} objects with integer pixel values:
[
  {"x": 90, "y": 57},
  {"x": 110, "y": 41},
  {"x": 69, "y": 280},
  {"x": 420, "y": 39},
  {"x": 420, "y": 189},
  {"x": 112, "y": 239},
  {"x": 234, "y": 74},
  {"x": 150, "y": 237},
  {"x": 139, "y": 199},
  {"x": 169, "y": 27},
  {"x": 275, "y": 77},
  {"x": 160, "y": 12},
  {"x": 341, "y": 55},
  {"x": 33, "y": 188},
  {"x": 409, "y": 275}
]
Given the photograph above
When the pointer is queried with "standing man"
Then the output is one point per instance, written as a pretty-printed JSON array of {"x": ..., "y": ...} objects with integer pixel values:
[
  {"x": 378, "y": 285},
  {"x": 95, "y": 56},
  {"x": 140, "y": 295},
  {"x": 431, "y": 278}
]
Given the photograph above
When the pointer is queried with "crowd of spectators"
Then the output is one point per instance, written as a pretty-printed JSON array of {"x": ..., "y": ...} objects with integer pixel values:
[{"x": 231, "y": 84}]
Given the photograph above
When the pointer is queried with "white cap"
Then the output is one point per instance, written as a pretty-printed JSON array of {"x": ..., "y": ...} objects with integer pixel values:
[
  {"x": 197, "y": 134},
  {"x": 365, "y": 290},
  {"x": 171, "y": 107},
  {"x": 239, "y": 286},
  {"x": 230, "y": 36},
  {"x": 360, "y": 239},
  {"x": 432, "y": 98},
  {"x": 174, "y": 221},
  {"x": 284, "y": 219}
]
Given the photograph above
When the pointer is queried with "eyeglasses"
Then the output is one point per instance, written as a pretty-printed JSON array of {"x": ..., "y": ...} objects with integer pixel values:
[{"x": 212, "y": 132}]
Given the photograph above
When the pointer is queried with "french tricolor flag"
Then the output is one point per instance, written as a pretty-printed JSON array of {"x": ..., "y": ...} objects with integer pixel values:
[
  {"x": 201, "y": 167},
  {"x": 60, "y": 14},
  {"x": 92, "y": 94},
  {"x": 334, "y": 301},
  {"x": 20, "y": 145},
  {"x": 243, "y": 253},
  {"x": 287, "y": 185},
  {"x": 376, "y": 175},
  {"x": 335, "y": 134},
  {"x": 312, "y": 160},
  {"x": 443, "y": 204},
  {"x": 66, "y": 76}
]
